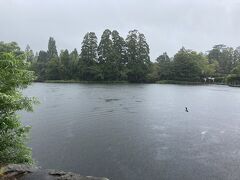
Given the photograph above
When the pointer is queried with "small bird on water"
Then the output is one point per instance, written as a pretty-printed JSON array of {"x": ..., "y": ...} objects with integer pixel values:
[{"x": 186, "y": 109}]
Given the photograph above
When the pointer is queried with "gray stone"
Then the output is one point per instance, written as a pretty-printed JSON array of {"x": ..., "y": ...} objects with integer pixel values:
[
  {"x": 61, "y": 175},
  {"x": 26, "y": 172},
  {"x": 13, "y": 171}
]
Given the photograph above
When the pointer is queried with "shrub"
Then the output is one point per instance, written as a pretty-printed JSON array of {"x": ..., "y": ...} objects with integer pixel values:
[{"x": 14, "y": 76}]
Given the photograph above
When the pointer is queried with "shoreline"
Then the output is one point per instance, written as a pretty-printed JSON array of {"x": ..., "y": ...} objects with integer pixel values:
[
  {"x": 83, "y": 82},
  {"x": 127, "y": 82}
]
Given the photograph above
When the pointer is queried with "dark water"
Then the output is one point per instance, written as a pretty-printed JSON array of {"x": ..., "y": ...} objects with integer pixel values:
[{"x": 137, "y": 132}]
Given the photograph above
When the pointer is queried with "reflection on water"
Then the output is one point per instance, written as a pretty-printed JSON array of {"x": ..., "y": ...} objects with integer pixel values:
[{"x": 137, "y": 132}]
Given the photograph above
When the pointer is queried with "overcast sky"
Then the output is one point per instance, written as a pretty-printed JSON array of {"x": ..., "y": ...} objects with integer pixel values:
[{"x": 167, "y": 24}]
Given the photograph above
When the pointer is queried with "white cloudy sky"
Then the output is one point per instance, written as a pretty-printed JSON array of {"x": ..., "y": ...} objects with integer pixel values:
[{"x": 167, "y": 24}]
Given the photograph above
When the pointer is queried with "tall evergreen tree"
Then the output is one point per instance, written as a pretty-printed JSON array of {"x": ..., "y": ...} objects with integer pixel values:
[
  {"x": 52, "y": 49},
  {"x": 105, "y": 47},
  {"x": 40, "y": 66},
  {"x": 105, "y": 56},
  {"x": 53, "y": 66},
  {"x": 120, "y": 55},
  {"x": 89, "y": 49},
  {"x": 138, "y": 56},
  {"x": 65, "y": 64},
  {"x": 143, "y": 51},
  {"x": 88, "y": 57},
  {"x": 74, "y": 61}
]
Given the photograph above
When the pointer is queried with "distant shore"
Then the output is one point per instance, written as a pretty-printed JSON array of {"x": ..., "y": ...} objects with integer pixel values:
[
  {"x": 190, "y": 83},
  {"x": 126, "y": 82},
  {"x": 180, "y": 82},
  {"x": 86, "y": 82}
]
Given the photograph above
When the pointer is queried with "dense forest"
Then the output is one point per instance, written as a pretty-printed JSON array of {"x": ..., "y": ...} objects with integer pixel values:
[{"x": 117, "y": 59}]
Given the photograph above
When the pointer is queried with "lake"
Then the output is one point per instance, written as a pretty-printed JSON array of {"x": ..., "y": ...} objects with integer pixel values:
[{"x": 137, "y": 131}]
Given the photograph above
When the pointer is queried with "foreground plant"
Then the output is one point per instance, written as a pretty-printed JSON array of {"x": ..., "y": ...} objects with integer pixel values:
[{"x": 14, "y": 76}]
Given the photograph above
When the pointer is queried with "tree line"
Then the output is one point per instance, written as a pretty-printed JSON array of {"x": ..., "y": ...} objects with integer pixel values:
[
  {"x": 221, "y": 62},
  {"x": 113, "y": 59},
  {"x": 117, "y": 59}
]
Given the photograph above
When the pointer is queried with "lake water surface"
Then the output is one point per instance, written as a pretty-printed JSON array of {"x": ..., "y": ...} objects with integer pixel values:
[{"x": 137, "y": 131}]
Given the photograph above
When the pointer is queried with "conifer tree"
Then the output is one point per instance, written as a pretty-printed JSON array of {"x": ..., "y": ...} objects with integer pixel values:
[
  {"x": 74, "y": 61},
  {"x": 120, "y": 55},
  {"x": 40, "y": 66},
  {"x": 65, "y": 64},
  {"x": 105, "y": 56},
  {"x": 138, "y": 56},
  {"x": 88, "y": 57},
  {"x": 53, "y": 66},
  {"x": 52, "y": 49}
]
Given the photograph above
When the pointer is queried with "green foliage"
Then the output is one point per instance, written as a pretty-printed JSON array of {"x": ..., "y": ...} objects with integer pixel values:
[
  {"x": 153, "y": 74},
  {"x": 65, "y": 65},
  {"x": 52, "y": 49},
  {"x": 105, "y": 56},
  {"x": 14, "y": 75},
  {"x": 29, "y": 54},
  {"x": 138, "y": 57},
  {"x": 233, "y": 79},
  {"x": 116, "y": 59},
  {"x": 89, "y": 49},
  {"x": 220, "y": 80},
  {"x": 53, "y": 69},
  {"x": 236, "y": 70},
  {"x": 74, "y": 62},
  {"x": 48, "y": 65},
  {"x": 40, "y": 66},
  {"x": 119, "y": 55},
  {"x": 88, "y": 58},
  {"x": 165, "y": 70},
  {"x": 112, "y": 56},
  {"x": 226, "y": 57},
  {"x": 187, "y": 65}
]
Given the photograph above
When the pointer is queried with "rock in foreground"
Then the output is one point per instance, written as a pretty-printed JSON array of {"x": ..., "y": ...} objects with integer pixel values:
[{"x": 25, "y": 172}]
